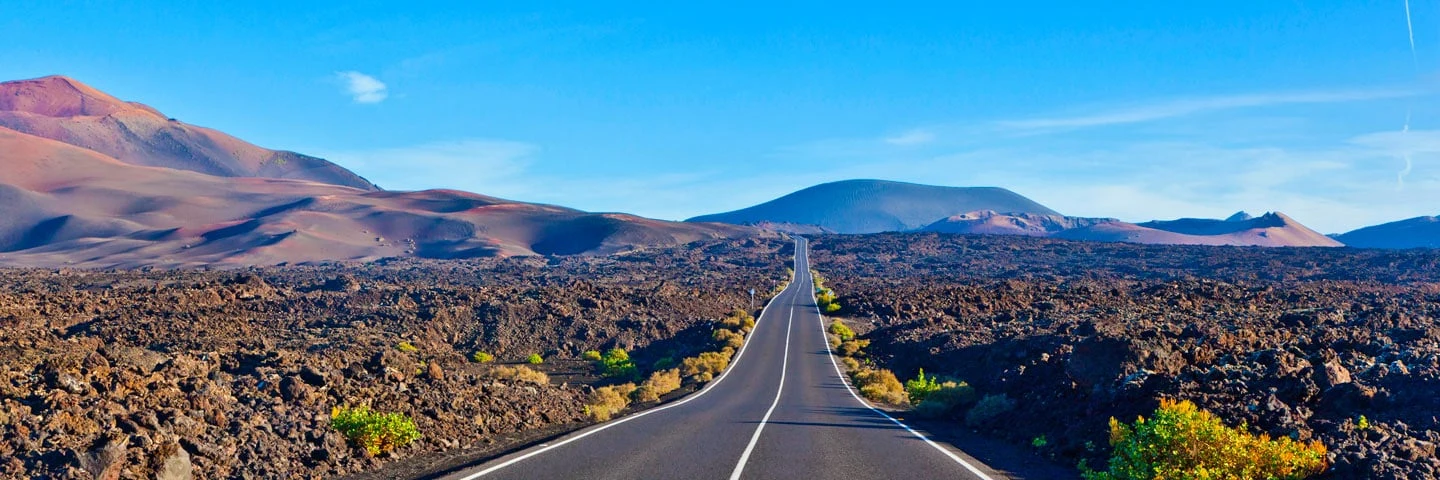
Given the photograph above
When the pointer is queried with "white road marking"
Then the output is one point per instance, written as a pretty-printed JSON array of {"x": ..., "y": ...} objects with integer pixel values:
[
  {"x": 784, "y": 360},
  {"x": 683, "y": 401},
  {"x": 879, "y": 412}
]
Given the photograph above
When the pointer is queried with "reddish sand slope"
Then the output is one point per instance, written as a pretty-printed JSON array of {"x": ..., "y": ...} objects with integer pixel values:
[
  {"x": 990, "y": 222},
  {"x": 65, "y": 205},
  {"x": 1269, "y": 230},
  {"x": 63, "y": 109}
]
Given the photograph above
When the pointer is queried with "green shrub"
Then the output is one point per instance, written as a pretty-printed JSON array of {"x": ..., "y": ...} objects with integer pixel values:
[
  {"x": 839, "y": 329},
  {"x": 880, "y": 385},
  {"x": 522, "y": 374},
  {"x": 853, "y": 347},
  {"x": 535, "y": 359},
  {"x": 374, "y": 431},
  {"x": 1039, "y": 442},
  {"x": 944, "y": 401},
  {"x": 920, "y": 387},
  {"x": 659, "y": 384},
  {"x": 989, "y": 408},
  {"x": 1362, "y": 423},
  {"x": 617, "y": 364},
  {"x": 739, "y": 320},
  {"x": 591, "y": 355},
  {"x": 727, "y": 338},
  {"x": 407, "y": 347},
  {"x": 825, "y": 299},
  {"x": 1182, "y": 441},
  {"x": 482, "y": 357},
  {"x": 664, "y": 363},
  {"x": 605, "y": 402},
  {"x": 706, "y": 366}
]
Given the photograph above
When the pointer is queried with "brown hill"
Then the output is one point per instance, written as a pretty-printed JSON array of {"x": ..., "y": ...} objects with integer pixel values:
[
  {"x": 60, "y": 108},
  {"x": 65, "y": 205},
  {"x": 990, "y": 222},
  {"x": 1269, "y": 230}
]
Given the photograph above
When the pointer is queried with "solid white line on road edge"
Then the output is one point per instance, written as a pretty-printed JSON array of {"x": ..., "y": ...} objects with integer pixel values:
[
  {"x": 879, "y": 412},
  {"x": 784, "y": 359},
  {"x": 703, "y": 391}
]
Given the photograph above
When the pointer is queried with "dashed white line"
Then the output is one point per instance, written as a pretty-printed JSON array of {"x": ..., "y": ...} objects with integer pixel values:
[{"x": 784, "y": 360}]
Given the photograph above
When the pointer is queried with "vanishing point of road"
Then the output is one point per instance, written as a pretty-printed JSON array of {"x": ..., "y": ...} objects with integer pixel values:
[{"x": 781, "y": 411}]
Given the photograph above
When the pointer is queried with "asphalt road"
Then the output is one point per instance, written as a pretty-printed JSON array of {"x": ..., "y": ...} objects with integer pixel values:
[{"x": 781, "y": 411}]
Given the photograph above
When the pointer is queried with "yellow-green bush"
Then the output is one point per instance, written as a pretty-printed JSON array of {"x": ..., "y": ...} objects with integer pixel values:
[
  {"x": 728, "y": 338},
  {"x": 374, "y": 431},
  {"x": 659, "y": 384},
  {"x": 944, "y": 401},
  {"x": 839, "y": 329},
  {"x": 825, "y": 299},
  {"x": 849, "y": 363},
  {"x": 591, "y": 355},
  {"x": 988, "y": 409},
  {"x": 739, "y": 320},
  {"x": 605, "y": 402},
  {"x": 407, "y": 347},
  {"x": 482, "y": 357},
  {"x": 1182, "y": 441},
  {"x": 522, "y": 374},
  {"x": 706, "y": 366},
  {"x": 616, "y": 363},
  {"x": 880, "y": 385},
  {"x": 852, "y": 347},
  {"x": 921, "y": 386},
  {"x": 535, "y": 359}
]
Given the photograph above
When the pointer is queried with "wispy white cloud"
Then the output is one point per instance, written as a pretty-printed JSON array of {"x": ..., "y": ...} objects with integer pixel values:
[
  {"x": 1191, "y": 106},
  {"x": 911, "y": 138},
  {"x": 363, "y": 88},
  {"x": 490, "y": 167}
]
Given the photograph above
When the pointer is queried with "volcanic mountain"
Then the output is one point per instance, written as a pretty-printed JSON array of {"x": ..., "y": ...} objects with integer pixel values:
[
  {"x": 990, "y": 222},
  {"x": 872, "y": 206},
  {"x": 1418, "y": 232},
  {"x": 1268, "y": 230},
  {"x": 62, "y": 109},
  {"x": 61, "y": 204}
]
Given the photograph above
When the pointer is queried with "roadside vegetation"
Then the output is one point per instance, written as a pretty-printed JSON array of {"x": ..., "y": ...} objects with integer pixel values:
[
  {"x": 824, "y": 297},
  {"x": 375, "y": 432},
  {"x": 1183, "y": 441},
  {"x": 604, "y": 403},
  {"x": 520, "y": 374},
  {"x": 1179, "y": 441}
]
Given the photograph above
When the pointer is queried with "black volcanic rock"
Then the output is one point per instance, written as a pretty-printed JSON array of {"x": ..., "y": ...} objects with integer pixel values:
[{"x": 872, "y": 206}]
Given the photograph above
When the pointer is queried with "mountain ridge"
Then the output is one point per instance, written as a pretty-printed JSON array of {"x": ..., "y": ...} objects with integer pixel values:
[
  {"x": 64, "y": 109},
  {"x": 873, "y": 206}
]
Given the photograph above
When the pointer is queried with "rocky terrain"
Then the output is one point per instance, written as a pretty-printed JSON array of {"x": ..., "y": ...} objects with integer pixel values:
[
  {"x": 1290, "y": 342},
  {"x": 145, "y": 374}
]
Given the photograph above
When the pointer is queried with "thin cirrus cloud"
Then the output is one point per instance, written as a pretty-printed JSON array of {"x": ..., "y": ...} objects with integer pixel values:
[
  {"x": 363, "y": 88},
  {"x": 1192, "y": 106},
  {"x": 911, "y": 138},
  {"x": 491, "y": 167}
]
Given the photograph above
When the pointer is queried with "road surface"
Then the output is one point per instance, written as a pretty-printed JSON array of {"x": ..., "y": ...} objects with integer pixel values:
[{"x": 781, "y": 411}]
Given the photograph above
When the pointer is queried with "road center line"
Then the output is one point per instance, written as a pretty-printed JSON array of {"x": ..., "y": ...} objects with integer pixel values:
[
  {"x": 709, "y": 386},
  {"x": 784, "y": 359}
]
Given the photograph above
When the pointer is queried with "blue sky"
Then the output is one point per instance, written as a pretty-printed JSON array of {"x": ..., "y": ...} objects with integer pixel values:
[{"x": 1136, "y": 110}]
